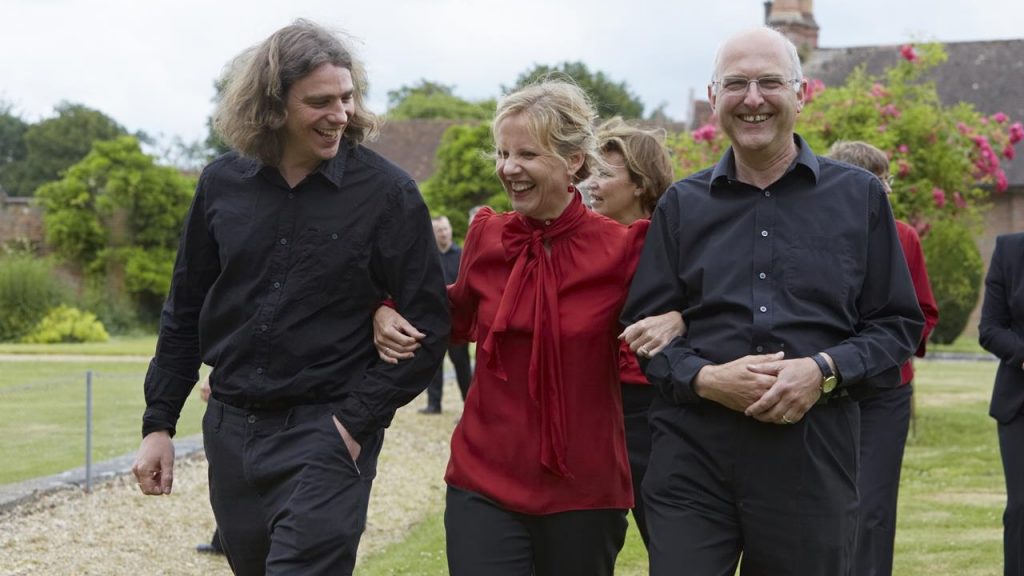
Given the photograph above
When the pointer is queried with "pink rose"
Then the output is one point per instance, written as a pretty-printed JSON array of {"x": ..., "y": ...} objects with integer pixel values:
[
  {"x": 939, "y": 196},
  {"x": 907, "y": 51}
]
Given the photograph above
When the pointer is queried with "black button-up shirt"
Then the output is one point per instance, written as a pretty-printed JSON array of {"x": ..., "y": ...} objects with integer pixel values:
[
  {"x": 275, "y": 287},
  {"x": 450, "y": 263},
  {"x": 810, "y": 264}
]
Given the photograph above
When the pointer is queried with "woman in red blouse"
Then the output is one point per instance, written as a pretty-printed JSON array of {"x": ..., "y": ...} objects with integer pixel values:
[
  {"x": 636, "y": 171},
  {"x": 539, "y": 480}
]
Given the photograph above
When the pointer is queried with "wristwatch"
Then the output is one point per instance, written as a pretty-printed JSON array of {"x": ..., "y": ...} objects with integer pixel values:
[{"x": 829, "y": 380}]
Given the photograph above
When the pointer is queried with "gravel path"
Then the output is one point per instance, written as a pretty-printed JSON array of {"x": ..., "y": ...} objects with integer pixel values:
[{"x": 115, "y": 530}]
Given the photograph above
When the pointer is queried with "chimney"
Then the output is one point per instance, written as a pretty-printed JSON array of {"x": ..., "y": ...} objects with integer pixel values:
[{"x": 795, "y": 19}]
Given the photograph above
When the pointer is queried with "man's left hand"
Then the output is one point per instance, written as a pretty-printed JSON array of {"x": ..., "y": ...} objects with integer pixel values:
[{"x": 797, "y": 387}]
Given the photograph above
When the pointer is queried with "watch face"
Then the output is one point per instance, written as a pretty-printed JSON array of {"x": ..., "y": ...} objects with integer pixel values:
[{"x": 829, "y": 385}]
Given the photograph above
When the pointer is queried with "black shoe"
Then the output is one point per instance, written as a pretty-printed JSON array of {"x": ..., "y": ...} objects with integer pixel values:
[
  {"x": 208, "y": 549},
  {"x": 429, "y": 410}
]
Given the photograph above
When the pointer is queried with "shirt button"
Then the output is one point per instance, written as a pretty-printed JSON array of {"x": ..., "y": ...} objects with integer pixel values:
[
  {"x": 291, "y": 195},
  {"x": 259, "y": 370},
  {"x": 759, "y": 348},
  {"x": 252, "y": 419},
  {"x": 767, "y": 193},
  {"x": 334, "y": 236},
  {"x": 764, "y": 233},
  {"x": 762, "y": 275},
  {"x": 285, "y": 240},
  {"x": 763, "y": 308},
  {"x": 277, "y": 284},
  {"x": 263, "y": 327}
]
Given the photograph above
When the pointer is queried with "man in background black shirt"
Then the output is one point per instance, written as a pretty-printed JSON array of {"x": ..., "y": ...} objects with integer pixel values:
[
  {"x": 790, "y": 277},
  {"x": 451, "y": 254},
  {"x": 289, "y": 245}
]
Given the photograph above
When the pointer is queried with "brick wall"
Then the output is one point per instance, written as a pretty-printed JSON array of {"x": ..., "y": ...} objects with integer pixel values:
[{"x": 20, "y": 221}]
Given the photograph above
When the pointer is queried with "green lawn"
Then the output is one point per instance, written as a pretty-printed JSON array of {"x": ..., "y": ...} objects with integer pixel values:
[
  {"x": 951, "y": 500},
  {"x": 42, "y": 414}
]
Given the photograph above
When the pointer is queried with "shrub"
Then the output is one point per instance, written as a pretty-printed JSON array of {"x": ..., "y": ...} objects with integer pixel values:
[
  {"x": 66, "y": 324},
  {"x": 28, "y": 288},
  {"x": 955, "y": 269}
]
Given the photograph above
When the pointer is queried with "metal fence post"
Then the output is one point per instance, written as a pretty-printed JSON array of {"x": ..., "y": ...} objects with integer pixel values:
[{"x": 88, "y": 431}]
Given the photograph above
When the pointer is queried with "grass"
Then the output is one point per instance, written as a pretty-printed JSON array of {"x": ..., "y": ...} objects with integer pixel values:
[
  {"x": 951, "y": 496},
  {"x": 42, "y": 415},
  {"x": 116, "y": 346}
]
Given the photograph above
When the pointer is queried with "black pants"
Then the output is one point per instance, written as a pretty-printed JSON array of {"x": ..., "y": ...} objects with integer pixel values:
[
  {"x": 1011, "y": 446},
  {"x": 884, "y": 422},
  {"x": 459, "y": 355},
  {"x": 636, "y": 407},
  {"x": 287, "y": 497},
  {"x": 484, "y": 539},
  {"x": 721, "y": 484}
]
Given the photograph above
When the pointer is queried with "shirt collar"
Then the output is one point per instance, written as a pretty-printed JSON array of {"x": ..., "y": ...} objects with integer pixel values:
[
  {"x": 332, "y": 169},
  {"x": 726, "y": 166}
]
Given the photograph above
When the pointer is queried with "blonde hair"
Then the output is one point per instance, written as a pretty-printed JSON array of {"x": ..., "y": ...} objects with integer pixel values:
[
  {"x": 860, "y": 154},
  {"x": 560, "y": 116},
  {"x": 647, "y": 160},
  {"x": 253, "y": 109}
]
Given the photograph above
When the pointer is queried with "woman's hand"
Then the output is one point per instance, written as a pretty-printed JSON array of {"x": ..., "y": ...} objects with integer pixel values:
[
  {"x": 650, "y": 335},
  {"x": 393, "y": 336}
]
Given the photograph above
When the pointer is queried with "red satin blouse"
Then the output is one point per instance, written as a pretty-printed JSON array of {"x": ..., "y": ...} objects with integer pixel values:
[{"x": 542, "y": 428}]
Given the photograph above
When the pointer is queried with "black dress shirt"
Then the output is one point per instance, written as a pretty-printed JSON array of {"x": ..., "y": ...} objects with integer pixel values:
[
  {"x": 276, "y": 288},
  {"x": 810, "y": 264},
  {"x": 450, "y": 263}
]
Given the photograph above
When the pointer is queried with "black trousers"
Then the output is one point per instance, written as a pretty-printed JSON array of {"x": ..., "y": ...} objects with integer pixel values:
[
  {"x": 721, "y": 484},
  {"x": 459, "y": 355},
  {"x": 286, "y": 494},
  {"x": 484, "y": 539},
  {"x": 636, "y": 407},
  {"x": 1011, "y": 446},
  {"x": 884, "y": 422}
]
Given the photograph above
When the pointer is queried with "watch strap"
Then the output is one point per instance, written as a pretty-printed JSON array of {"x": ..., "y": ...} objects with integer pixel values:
[{"x": 826, "y": 370}]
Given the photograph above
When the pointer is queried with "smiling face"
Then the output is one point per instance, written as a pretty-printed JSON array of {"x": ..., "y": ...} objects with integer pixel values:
[
  {"x": 535, "y": 179},
  {"x": 757, "y": 124},
  {"x": 613, "y": 192},
  {"x": 319, "y": 107}
]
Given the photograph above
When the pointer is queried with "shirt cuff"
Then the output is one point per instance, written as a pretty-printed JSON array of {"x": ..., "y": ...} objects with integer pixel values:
[{"x": 673, "y": 373}]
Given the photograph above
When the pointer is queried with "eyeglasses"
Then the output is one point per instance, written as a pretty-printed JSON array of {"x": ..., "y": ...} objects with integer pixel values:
[{"x": 737, "y": 85}]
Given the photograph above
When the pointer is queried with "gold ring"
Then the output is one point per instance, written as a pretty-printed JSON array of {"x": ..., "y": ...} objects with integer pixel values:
[{"x": 786, "y": 420}]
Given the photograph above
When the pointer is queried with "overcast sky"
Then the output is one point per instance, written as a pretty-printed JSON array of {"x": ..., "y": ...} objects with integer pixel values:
[{"x": 150, "y": 64}]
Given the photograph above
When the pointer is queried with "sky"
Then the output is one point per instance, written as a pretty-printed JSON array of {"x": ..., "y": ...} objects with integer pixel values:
[{"x": 151, "y": 64}]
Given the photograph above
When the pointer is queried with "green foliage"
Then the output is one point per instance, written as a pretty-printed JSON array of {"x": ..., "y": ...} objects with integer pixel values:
[
  {"x": 66, "y": 324},
  {"x": 117, "y": 216},
  {"x": 12, "y": 145},
  {"x": 430, "y": 100},
  {"x": 28, "y": 288},
  {"x": 54, "y": 144},
  {"x": 610, "y": 98},
  {"x": 955, "y": 269},
  {"x": 465, "y": 176}
]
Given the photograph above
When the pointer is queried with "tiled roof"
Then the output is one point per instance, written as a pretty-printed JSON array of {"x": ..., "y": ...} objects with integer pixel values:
[
  {"x": 988, "y": 74},
  {"x": 411, "y": 144}
]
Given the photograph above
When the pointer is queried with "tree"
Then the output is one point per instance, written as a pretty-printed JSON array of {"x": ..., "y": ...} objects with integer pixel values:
[
  {"x": 116, "y": 216},
  {"x": 945, "y": 160},
  {"x": 610, "y": 98},
  {"x": 54, "y": 144},
  {"x": 431, "y": 100},
  {"x": 12, "y": 146},
  {"x": 465, "y": 176}
]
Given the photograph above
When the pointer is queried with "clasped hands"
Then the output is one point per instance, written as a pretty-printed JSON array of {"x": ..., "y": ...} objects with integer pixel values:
[{"x": 766, "y": 387}]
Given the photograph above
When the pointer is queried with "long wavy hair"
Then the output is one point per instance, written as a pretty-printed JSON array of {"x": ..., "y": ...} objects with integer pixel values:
[{"x": 253, "y": 108}]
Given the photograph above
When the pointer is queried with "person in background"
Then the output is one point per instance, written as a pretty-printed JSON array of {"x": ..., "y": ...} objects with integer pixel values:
[
  {"x": 451, "y": 254},
  {"x": 885, "y": 415},
  {"x": 214, "y": 547},
  {"x": 290, "y": 241},
  {"x": 1001, "y": 332},
  {"x": 635, "y": 172},
  {"x": 788, "y": 271}
]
